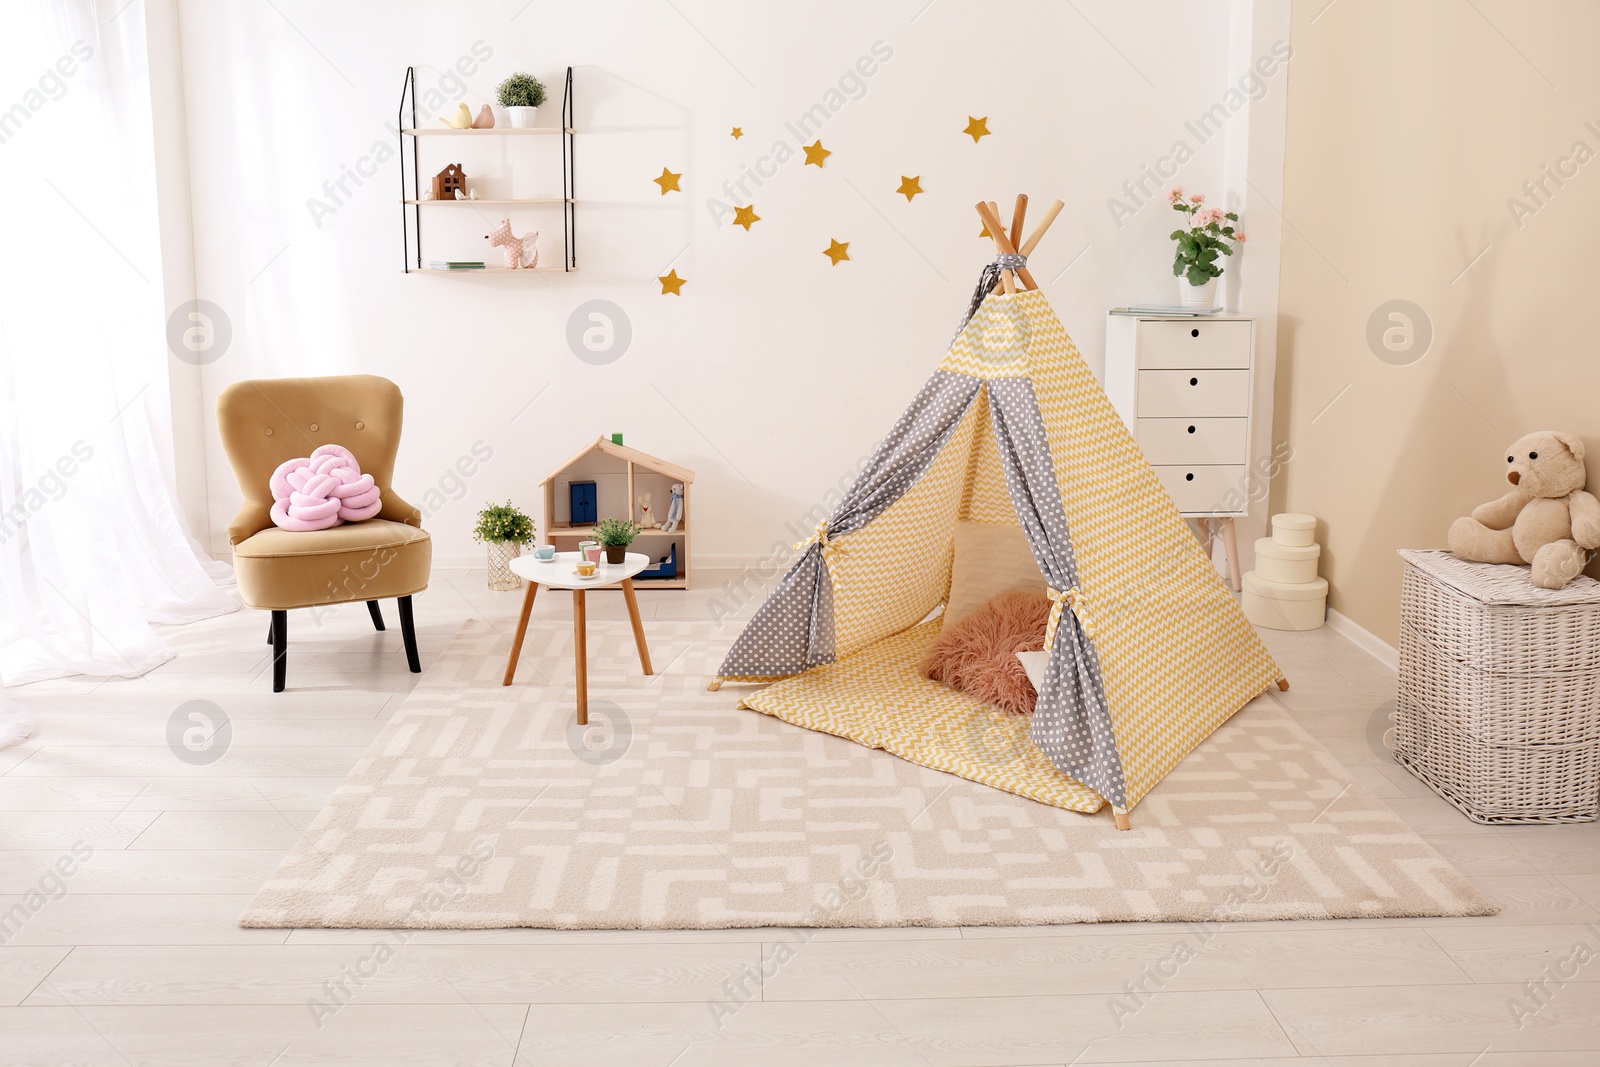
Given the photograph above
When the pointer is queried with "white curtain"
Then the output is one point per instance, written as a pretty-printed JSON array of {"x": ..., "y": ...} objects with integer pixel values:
[{"x": 94, "y": 552}]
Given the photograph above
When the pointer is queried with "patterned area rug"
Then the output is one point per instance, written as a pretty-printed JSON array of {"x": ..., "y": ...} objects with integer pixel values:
[{"x": 478, "y": 806}]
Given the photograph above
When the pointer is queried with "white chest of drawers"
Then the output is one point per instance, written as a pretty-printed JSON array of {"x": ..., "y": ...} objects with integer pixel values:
[{"x": 1184, "y": 386}]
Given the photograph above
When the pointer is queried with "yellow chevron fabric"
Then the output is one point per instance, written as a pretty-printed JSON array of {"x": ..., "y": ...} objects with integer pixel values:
[
  {"x": 1177, "y": 654},
  {"x": 889, "y": 574},
  {"x": 877, "y": 698}
]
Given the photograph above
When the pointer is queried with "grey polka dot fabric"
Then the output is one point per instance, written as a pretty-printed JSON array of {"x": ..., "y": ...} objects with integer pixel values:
[
  {"x": 1071, "y": 720},
  {"x": 793, "y": 631}
]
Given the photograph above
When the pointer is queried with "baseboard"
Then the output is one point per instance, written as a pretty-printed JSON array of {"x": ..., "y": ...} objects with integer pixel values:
[{"x": 1364, "y": 639}]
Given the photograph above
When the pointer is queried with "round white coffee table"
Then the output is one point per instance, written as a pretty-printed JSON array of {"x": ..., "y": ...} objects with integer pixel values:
[{"x": 562, "y": 573}]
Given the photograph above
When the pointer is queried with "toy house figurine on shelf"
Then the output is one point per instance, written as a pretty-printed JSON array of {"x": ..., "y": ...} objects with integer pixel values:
[
  {"x": 450, "y": 181},
  {"x": 607, "y": 478}
]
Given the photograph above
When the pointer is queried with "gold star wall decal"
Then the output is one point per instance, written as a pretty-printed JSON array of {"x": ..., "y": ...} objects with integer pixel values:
[
  {"x": 737, "y": 133},
  {"x": 668, "y": 182},
  {"x": 671, "y": 283},
  {"x": 985, "y": 231},
  {"x": 977, "y": 127},
  {"x": 837, "y": 250},
  {"x": 744, "y": 216},
  {"x": 815, "y": 153},
  {"x": 910, "y": 186}
]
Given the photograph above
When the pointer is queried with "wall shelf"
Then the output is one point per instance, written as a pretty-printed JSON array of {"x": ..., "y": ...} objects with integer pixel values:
[
  {"x": 411, "y": 202},
  {"x": 493, "y": 270},
  {"x": 469, "y": 203},
  {"x": 496, "y": 131}
]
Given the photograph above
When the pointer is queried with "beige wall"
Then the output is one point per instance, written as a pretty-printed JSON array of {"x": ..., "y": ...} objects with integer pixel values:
[{"x": 1410, "y": 126}]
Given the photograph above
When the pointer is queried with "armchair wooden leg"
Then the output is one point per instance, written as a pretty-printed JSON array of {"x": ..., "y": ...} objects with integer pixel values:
[
  {"x": 269, "y": 628},
  {"x": 408, "y": 631},
  {"x": 280, "y": 650},
  {"x": 376, "y": 613}
]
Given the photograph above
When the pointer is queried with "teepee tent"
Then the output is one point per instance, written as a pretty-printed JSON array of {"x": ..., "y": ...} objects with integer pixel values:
[{"x": 1148, "y": 652}]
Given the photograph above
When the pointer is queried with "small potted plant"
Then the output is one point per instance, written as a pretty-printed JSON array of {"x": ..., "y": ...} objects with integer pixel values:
[
  {"x": 504, "y": 530},
  {"x": 1209, "y": 235},
  {"x": 616, "y": 535},
  {"x": 521, "y": 94}
]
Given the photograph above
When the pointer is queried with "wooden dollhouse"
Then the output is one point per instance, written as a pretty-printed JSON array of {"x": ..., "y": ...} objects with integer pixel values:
[{"x": 606, "y": 480}]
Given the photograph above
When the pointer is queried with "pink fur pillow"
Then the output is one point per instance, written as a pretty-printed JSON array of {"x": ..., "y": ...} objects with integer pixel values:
[{"x": 977, "y": 655}]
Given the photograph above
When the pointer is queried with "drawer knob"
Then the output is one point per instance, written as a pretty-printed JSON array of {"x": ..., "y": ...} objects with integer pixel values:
[
  {"x": 1191, "y": 429},
  {"x": 1194, "y": 333},
  {"x": 1189, "y": 477},
  {"x": 1194, "y": 381}
]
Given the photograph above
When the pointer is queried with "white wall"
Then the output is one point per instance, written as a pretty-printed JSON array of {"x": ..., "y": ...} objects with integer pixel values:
[{"x": 774, "y": 373}]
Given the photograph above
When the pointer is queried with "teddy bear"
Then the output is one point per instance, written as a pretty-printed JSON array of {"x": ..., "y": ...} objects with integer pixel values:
[{"x": 1547, "y": 519}]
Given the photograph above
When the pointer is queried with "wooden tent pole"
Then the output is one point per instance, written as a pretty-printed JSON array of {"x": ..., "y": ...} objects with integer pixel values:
[
  {"x": 1050, "y": 214},
  {"x": 1019, "y": 213},
  {"x": 997, "y": 231},
  {"x": 1006, "y": 282},
  {"x": 1123, "y": 822}
]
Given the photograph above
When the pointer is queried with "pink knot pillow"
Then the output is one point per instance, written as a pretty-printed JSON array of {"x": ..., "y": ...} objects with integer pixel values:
[{"x": 322, "y": 490}]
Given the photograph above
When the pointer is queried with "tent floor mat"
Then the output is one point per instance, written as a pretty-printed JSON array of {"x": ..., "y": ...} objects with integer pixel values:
[{"x": 877, "y": 698}]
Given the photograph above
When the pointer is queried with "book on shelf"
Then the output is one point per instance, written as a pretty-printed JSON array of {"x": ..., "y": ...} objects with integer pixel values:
[
  {"x": 455, "y": 264},
  {"x": 1177, "y": 311}
]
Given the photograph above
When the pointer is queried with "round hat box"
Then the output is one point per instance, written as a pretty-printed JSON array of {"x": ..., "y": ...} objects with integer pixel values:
[
  {"x": 1282, "y": 563},
  {"x": 1280, "y": 606},
  {"x": 1294, "y": 530}
]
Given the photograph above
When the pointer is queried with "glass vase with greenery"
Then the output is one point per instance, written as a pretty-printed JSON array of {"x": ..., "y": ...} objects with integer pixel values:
[
  {"x": 616, "y": 535},
  {"x": 504, "y": 529}
]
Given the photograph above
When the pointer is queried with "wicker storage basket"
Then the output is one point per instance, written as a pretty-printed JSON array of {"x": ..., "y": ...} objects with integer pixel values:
[
  {"x": 1493, "y": 783},
  {"x": 1499, "y": 701},
  {"x": 1505, "y": 709}
]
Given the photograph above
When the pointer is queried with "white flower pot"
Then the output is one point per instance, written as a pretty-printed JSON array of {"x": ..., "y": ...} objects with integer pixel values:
[
  {"x": 521, "y": 117},
  {"x": 1197, "y": 296}
]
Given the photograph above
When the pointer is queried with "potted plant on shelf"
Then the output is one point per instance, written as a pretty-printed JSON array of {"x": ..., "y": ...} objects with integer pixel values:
[
  {"x": 521, "y": 94},
  {"x": 616, "y": 535},
  {"x": 1210, "y": 234},
  {"x": 504, "y": 530}
]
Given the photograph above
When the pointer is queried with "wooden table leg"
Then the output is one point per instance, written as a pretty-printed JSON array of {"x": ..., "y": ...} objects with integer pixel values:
[
  {"x": 522, "y": 629},
  {"x": 1230, "y": 542},
  {"x": 638, "y": 627},
  {"x": 580, "y": 634}
]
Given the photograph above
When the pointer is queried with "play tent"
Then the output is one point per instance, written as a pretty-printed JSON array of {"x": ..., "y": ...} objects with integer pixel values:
[{"x": 1149, "y": 653}]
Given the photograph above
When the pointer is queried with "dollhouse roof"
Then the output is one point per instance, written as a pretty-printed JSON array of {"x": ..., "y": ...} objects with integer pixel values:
[{"x": 632, "y": 455}]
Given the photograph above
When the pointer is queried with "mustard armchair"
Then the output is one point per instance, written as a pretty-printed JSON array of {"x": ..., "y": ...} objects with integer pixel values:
[{"x": 266, "y": 421}]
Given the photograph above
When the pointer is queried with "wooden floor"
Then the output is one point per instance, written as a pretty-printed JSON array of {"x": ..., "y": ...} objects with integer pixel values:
[{"x": 135, "y": 957}]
